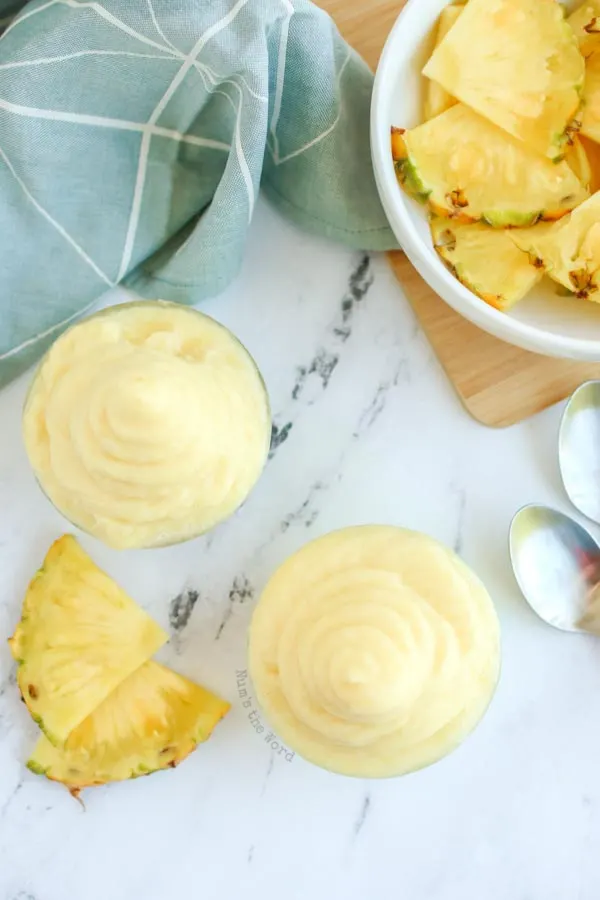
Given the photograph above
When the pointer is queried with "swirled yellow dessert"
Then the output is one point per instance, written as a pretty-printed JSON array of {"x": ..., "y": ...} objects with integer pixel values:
[
  {"x": 147, "y": 424},
  {"x": 374, "y": 651}
]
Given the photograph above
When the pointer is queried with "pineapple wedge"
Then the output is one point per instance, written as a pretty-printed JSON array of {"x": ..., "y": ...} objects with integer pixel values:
[
  {"x": 569, "y": 250},
  {"x": 79, "y": 637},
  {"x": 585, "y": 22},
  {"x": 486, "y": 261},
  {"x": 437, "y": 100},
  {"x": 518, "y": 63},
  {"x": 590, "y": 119},
  {"x": 469, "y": 169},
  {"x": 152, "y": 721}
]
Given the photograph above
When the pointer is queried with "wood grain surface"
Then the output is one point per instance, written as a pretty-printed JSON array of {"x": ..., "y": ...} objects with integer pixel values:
[{"x": 497, "y": 383}]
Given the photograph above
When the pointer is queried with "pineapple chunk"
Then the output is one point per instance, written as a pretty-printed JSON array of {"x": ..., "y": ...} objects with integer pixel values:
[
  {"x": 486, "y": 261},
  {"x": 79, "y": 637},
  {"x": 152, "y": 721},
  {"x": 470, "y": 170},
  {"x": 437, "y": 100},
  {"x": 516, "y": 62},
  {"x": 585, "y": 22},
  {"x": 569, "y": 250},
  {"x": 590, "y": 119},
  {"x": 578, "y": 161}
]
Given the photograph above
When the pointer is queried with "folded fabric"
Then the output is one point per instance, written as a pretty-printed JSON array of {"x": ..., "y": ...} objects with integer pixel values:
[{"x": 135, "y": 136}]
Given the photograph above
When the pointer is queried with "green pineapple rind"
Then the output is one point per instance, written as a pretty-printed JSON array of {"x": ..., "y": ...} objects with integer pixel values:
[
  {"x": 410, "y": 180},
  {"x": 509, "y": 219}
]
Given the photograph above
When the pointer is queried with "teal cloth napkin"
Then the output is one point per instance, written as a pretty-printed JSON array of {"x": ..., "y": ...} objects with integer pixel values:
[{"x": 135, "y": 136}]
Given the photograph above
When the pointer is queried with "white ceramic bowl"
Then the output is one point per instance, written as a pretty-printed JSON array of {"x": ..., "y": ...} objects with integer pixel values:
[{"x": 542, "y": 322}]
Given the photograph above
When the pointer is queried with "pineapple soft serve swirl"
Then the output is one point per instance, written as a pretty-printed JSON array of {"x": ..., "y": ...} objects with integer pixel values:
[
  {"x": 147, "y": 424},
  {"x": 374, "y": 651}
]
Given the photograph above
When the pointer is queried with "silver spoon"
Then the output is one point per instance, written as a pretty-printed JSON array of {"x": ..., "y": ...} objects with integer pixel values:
[
  {"x": 557, "y": 565},
  {"x": 579, "y": 449}
]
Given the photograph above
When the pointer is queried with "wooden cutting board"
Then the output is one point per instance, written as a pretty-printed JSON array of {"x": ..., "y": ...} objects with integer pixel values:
[{"x": 498, "y": 383}]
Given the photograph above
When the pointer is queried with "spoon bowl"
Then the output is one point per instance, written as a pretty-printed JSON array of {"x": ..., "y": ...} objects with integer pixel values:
[
  {"x": 579, "y": 449},
  {"x": 557, "y": 566}
]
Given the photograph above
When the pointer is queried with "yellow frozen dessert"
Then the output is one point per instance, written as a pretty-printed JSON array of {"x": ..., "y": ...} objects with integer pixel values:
[
  {"x": 374, "y": 651},
  {"x": 147, "y": 424}
]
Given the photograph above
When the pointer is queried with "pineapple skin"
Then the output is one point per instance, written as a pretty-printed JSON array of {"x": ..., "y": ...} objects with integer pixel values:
[{"x": 404, "y": 168}]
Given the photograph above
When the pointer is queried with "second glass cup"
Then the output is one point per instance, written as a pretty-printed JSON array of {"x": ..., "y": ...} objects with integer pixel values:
[{"x": 147, "y": 424}]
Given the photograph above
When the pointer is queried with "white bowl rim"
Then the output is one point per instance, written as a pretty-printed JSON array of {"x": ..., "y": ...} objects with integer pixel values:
[{"x": 455, "y": 294}]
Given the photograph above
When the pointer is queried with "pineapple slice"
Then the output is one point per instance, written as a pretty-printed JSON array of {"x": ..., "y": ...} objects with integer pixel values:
[
  {"x": 469, "y": 169},
  {"x": 486, "y": 261},
  {"x": 437, "y": 100},
  {"x": 569, "y": 250},
  {"x": 585, "y": 22},
  {"x": 152, "y": 721},
  {"x": 79, "y": 637},
  {"x": 590, "y": 119},
  {"x": 516, "y": 62},
  {"x": 578, "y": 161}
]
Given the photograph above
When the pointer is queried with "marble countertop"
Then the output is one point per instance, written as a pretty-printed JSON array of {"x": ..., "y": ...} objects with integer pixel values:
[{"x": 367, "y": 430}]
